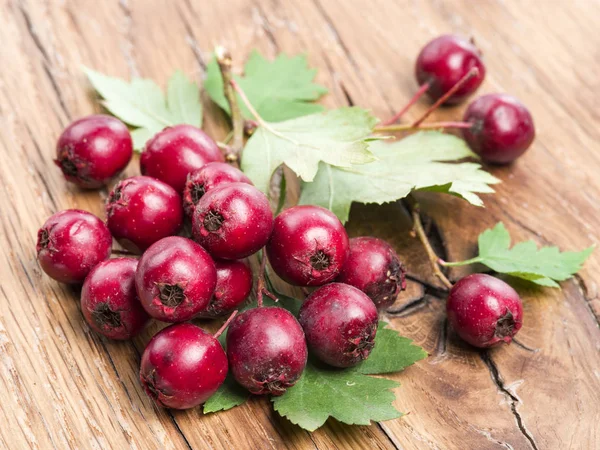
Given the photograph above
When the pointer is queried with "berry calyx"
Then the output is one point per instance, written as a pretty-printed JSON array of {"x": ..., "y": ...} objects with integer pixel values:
[
  {"x": 443, "y": 62},
  {"x": 340, "y": 323},
  {"x": 501, "y": 128},
  {"x": 374, "y": 267},
  {"x": 205, "y": 179},
  {"x": 234, "y": 283},
  {"x": 109, "y": 300},
  {"x": 175, "y": 279},
  {"x": 71, "y": 243},
  {"x": 142, "y": 210},
  {"x": 266, "y": 350},
  {"x": 232, "y": 221},
  {"x": 94, "y": 149},
  {"x": 182, "y": 366},
  {"x": 308, "y": 247},
  {"x": 484, "y": 310},
  {"x": 175, "y": 152}
]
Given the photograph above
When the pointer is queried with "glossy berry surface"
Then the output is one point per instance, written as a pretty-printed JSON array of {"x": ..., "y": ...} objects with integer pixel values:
[
  {"x": 71, "y": 243},
  {"x": 266, "y": 350},
  {"x": 92, "y": 150},
  {"x": 484, "y": 310},
  {"x": 443, "y": 62},
  {"x": 233, "y": 221},
  {"x": 308, "y": 247},
  {"x": 141, "y": 211},
  {"x": 109, "y": 301},
  {"x": 205, "y": 179},
  {"x": 182, "y": 366},
  {"x": 175, "y": 152},
  {"x": 374, "y": 268},
  {"x": 502, "y": 128},
  {"x": 234, "y": 283},
  {"x": 340, "y": 323},
  {"x": 175, "y": 279}
]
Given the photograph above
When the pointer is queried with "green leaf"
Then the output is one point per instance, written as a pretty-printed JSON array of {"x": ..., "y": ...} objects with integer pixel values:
[
  {"x": 338, "y": 137},
  {"x": 279, "y": 90},
  {"x": 392, "y": 353},
  {"x": 142, "y": 104},
  {"x": 346, "y": 395},
  {"x": 542, "y": 266},
  {"x": 228, "y": 396},
  {"x": 423, "y": 161}
]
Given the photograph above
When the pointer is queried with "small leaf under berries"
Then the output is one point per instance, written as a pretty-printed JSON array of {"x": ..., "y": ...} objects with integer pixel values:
[
  {"x": 338, "y": 137},
  {"x": 421, "y": 161},
  {"x": 141, "y": 103},
  {"x": 544, "y": 266},
  {"x": 229, "y": 395},
  {"x": 279, "y": 90}
]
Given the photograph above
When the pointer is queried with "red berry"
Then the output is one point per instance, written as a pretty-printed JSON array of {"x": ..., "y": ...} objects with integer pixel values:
[
  {"x": 233, "y": 221},
  {"x": 175, "y": 279},
  {"x": 109, "y": 301},
  {"x": 234, "y": 283},
  {"x": 484, "y": 310},
  {"x": 444, "y": 61},
  {"x": 374, "y": 268},
  {"x": 340, "y": 323},
  {"x": 266, "y": 350},
  {"x": 182, "y": 366},
  {"x": 141, "y": 211},
  {"x": 208, "y": 177},
  {"x": 308, "y": 247},
  {"x": 92, "y": 150},
  {"x": 502, "y": 128},
  {"x": 175, "y": 152},
  {"x": 71, "y": 243}
]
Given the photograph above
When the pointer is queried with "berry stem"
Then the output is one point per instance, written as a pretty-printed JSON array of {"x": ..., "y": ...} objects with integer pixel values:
[
  {"x": 424, "y": 126},
  {"x": 234, "y": 153},
  {"x": 470, "y": 74},
  {"x": 225, "y": 325},
  {"x": 260, "y": 286},
  {"x": 411, "y": 102},
  {"x": 433, "y": 258}
]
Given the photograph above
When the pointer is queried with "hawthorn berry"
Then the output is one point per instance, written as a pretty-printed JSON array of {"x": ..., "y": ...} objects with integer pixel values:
[
  {"x": 142, "y": 210},
  {"x": 175, "y": 152},
  {"x": 109, "y": 301},
  {"x": 71, "y": 243},
  {"x": 234, "y": 283},
  {"x": 175, "y": 279},
  {"x": 340, "y": 323},
  {"x": 92, "y": 150},
  {"x": 308, "y": 247},
  {"x": 484, "y": 310}
]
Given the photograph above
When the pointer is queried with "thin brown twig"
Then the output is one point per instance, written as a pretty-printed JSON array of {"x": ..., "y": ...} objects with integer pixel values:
[
  {"x": 423, "y": 126},
  {"x": 234, "y": 153},
  {"x": 225, "y": 325},
  {"x": 420, "y": 232},
  {"x": 411, "y": 102},
  {"x": 261, "y": 288}
]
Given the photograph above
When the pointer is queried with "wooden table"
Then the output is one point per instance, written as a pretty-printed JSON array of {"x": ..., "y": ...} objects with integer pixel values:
[{"x": 65, "y": 387}]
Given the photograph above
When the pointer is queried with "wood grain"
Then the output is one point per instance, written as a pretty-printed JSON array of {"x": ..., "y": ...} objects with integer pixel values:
[{"x": 65, "y": 387}]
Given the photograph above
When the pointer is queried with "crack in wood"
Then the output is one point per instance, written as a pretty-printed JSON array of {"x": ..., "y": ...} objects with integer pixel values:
[
  {"x": 582, "y": 286},
  {"x": 512, "y": 398},
  {"x": 192, "y": 42},
  {"x": 266, "y": 26}
]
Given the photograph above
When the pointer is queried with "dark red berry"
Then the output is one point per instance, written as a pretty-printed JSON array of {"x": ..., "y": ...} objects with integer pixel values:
[
  {"x": 340, "y": 323},
  {"x": 175, "y": 279},
  {"x": 374, "y": 268},
  {"x": 444, "y": 61},
  {"x": 484, "y": 310},
  {"x": 208, "y": 177},
  {"x": 92, "y": 150},
  {"x": 175, "y": 152},
  {"x": 233, "y": 221},
  {"x": 266, "y": 350},
  {"x": 109, "y": 301},
  {"x": 234, "y": 283},
  {"x": 502, "y": 128},
  {"x": 308, "y": 247},
  {"x": 71, "y": 243},
  {"x": 182, "y": 366},
  {"x": 141, "y": 211}
]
